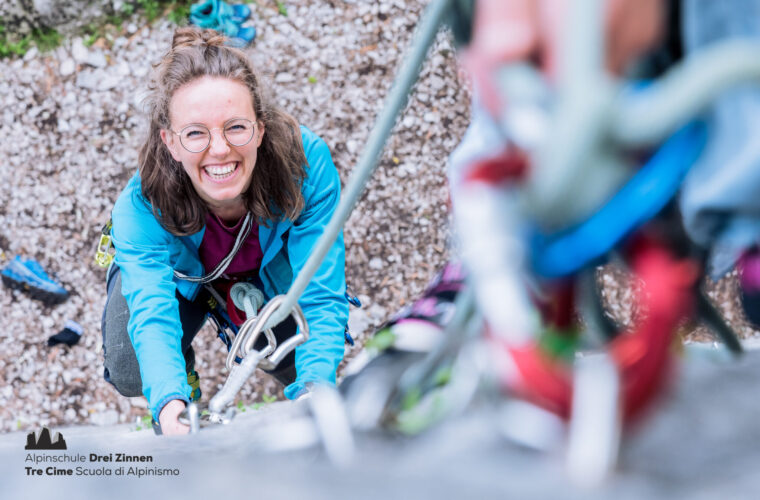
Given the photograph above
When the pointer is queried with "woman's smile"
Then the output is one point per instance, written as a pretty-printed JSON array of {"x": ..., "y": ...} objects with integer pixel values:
[{"x": 222, "y": 172}]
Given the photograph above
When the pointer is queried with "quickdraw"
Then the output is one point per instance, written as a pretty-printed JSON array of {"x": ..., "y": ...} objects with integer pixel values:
[
  {"x": 268, "y": 358},
  {"x": 105, "y": 251}
]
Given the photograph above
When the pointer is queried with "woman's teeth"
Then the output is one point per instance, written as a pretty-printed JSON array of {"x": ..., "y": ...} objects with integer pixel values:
[{"x": 220, "y": 171}]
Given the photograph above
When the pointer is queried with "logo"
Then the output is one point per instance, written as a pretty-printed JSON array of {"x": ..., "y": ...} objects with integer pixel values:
[{"x": 43, "y": 441}]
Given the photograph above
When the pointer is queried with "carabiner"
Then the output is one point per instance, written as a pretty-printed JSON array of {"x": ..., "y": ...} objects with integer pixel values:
[{"x": 105, "y": 251}]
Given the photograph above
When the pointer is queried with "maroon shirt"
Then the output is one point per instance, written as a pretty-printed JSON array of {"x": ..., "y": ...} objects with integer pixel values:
[{"x": 217, "y": 243}]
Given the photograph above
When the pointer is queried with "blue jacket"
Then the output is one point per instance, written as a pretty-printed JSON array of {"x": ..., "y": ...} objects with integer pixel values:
[{"x": 147, "y": 255}]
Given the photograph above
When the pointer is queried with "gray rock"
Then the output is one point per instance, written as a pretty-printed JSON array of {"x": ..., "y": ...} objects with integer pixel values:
[
  {"x": 67, "y": 67},
  {"x": 31, "y": 54},
  {"x": 89, "y": 79},
  {"x": 66, "y": 16},
  {"x": 123, "y": 69},
  {"x": 284, "y": 78},
  {"x": 78, "y": 51},
  {"x": 96, "y": 58},
  {"x": 358, "y": 323}
]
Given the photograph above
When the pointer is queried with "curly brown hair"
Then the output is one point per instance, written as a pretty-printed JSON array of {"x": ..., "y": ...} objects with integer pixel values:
[{"x": 275, "y": 188}]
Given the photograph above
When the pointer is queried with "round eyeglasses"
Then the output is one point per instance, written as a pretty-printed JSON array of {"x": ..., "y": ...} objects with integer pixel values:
[{"x": 196, "y": 138}]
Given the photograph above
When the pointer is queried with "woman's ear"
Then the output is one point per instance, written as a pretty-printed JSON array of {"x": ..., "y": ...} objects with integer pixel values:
[
  {"x": 260, "y": 133},
  {"x": 170, "y": 141}
]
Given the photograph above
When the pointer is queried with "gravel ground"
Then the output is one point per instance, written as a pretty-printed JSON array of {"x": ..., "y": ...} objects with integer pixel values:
[{"x": 72, "y": 121}]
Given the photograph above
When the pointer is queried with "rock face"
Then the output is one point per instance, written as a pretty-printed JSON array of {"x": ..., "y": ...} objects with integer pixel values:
[{"x": 20, "y": 17}]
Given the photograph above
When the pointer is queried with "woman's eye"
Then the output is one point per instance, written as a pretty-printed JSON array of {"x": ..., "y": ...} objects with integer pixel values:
[{"x": 194, "y": 134}]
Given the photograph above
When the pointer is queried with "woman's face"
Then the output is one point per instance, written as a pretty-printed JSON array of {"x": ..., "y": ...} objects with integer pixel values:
[{"x": 222, "y": 172}]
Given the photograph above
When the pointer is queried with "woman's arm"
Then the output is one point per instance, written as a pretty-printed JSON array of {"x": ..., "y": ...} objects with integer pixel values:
[
  {"x": 143, "y": 255},
  {"x": 323, "y": 302}
]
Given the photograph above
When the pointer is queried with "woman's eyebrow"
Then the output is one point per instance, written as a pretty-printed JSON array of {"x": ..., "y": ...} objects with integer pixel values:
[
  {"x": 254, "y": 120},
  {"x": 192, "y": 124}
]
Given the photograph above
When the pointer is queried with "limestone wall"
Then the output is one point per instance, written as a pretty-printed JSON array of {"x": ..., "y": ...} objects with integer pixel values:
[{"x": 21, "y": 16}]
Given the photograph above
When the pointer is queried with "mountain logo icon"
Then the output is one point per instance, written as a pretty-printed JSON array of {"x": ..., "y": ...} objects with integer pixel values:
[{"x": 44, "y": 442}]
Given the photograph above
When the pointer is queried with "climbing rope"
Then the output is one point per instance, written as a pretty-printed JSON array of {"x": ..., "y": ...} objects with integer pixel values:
[{"x": 394, "y": 104}]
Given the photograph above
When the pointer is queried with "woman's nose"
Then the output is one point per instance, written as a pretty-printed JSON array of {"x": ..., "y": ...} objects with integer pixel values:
[{"x": 218, "y": 145}]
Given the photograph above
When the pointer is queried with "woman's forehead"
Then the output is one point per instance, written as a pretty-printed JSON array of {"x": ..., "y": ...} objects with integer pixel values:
[{"x": 211, "y": 99}]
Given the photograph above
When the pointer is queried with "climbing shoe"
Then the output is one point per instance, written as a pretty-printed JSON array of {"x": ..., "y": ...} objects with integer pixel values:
[
  {"x": 27, "y": 275},
  {"x": 209, "y": 13},
  {"x": 243, "y": 37},
  {"x": 195, "y": 382},
  {"x": 224, "y": 18}
]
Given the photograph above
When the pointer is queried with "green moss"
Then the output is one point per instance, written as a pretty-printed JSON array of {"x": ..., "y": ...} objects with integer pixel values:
[
  {"x": 127, "y": 9},
  {"x": 150, "y": 8},
  {"x": 91, "y": 39},
  {"x": 46, "y": 39},
  {"x": 179, "y": 13},
  {"x": 116, "y": 20}
]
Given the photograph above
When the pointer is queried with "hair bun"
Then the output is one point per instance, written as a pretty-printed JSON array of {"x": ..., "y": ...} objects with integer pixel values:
[{"x": 190, "y": 36}]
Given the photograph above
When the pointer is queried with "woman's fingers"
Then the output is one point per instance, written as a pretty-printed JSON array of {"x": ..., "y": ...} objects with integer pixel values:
[{"x": 169, "y": 418}]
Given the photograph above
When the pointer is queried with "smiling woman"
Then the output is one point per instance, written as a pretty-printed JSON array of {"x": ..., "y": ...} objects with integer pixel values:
[
  {"x": 226, "y": 182},
  {"x": 219, "y": 165}
]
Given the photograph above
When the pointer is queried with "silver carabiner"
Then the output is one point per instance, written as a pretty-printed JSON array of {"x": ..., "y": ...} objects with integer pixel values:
[
  {"x": 239, "y": 374},
  {"x": 248, "y": 335},
  {"x": 272, "y": 360}
]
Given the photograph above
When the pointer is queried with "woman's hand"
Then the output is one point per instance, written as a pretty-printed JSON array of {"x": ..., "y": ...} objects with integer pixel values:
[{"x": 169, "y": 418}]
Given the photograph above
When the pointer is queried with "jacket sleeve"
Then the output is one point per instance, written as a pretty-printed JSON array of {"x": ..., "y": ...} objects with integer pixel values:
[
  {"x": 323, "y": 301},
  {"x": 143, "y": 255}
]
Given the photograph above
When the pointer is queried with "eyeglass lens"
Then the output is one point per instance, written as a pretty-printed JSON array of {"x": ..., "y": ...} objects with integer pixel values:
[{"x": 196, "y": 138}]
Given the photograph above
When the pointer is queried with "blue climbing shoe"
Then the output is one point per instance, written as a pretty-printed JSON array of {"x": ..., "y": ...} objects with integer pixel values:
[
  {"x": 243, "y": 38},
  {"x": 27, "y": 275},
  {"x": 241, "y": 12},
  {"x": 220, "y": 16}
]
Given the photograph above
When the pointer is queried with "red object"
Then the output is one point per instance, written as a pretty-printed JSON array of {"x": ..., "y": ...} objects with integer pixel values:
[
  {"x": 223, "y": 286},
  {"x": 642, "y": 354},
  {"x": 511, "y": 164}
]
